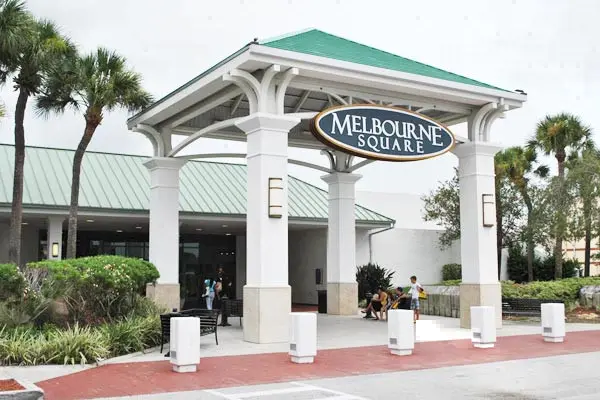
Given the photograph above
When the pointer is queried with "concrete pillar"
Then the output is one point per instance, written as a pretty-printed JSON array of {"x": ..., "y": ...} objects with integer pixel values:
[
  {"x": 480, "y": 286},
  {"x": 55, "y": 237},
  {"x": 267, "y": 294},
  {"x": 342, "y": 289},
  {"x": 164, "y": 229}
]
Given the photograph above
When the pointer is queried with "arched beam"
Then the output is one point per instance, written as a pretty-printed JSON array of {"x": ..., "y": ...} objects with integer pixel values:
[
  {"x": 246, "y": 87},
  {"x": 209, "y": 129},
  {"x": 475, "y": 123},
  {"x": 243, "y": 155},
  {"x": 360, "y": 165},
  {"x": 154, "y": 136},
  {"x": 282, "y": 87}
]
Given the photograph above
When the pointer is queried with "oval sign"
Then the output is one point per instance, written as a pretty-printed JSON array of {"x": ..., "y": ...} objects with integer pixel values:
[{"x": 381, "y": 133}]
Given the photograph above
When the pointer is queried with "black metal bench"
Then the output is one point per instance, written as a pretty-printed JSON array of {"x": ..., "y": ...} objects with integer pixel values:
[
  {"x": 208, "y": 323},
  {"x": 524, "y": 307},
  {"x": 232, "y": 308},
  {"x": 208, "y": 320}
]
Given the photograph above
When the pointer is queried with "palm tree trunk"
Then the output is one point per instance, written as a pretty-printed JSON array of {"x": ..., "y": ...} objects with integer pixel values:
[
  {"x": 16, "y": 216},
  {"x": 587, "y": 215},
  {"x": 88, "y": 133},
  {"x": 560, "y": 226},
  {"x": 529, "y": 233}
]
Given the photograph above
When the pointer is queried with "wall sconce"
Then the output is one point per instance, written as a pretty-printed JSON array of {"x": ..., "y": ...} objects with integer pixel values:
[
  {"x": 54, "y": 249},
  {"x": 489, "y": 210},
  {"x": 275, "y": 197}
]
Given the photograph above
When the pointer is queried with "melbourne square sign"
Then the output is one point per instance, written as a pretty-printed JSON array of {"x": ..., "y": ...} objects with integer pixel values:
[{"x": 381, "y": 133}]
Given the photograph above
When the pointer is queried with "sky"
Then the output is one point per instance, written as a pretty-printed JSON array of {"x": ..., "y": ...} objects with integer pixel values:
[{"x": 545, "y": 47}]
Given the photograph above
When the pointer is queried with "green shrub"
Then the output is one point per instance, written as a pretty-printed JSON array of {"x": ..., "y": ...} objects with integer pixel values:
[
  {"x": 12, "y": 283},
  {"x": 543, "y": 269},
  {"x": 564, "y": 289},
  {"x": 96, "y": 289},
  {"x": 76, "y": 344},
  {"x": 370, "y": 277},
  {"x": 451, "y": 272}
]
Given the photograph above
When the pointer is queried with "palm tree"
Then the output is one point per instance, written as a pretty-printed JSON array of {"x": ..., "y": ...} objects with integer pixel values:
[
  {"x": 559, "y": 135},
  {"x": 517, "y": 164},
  {"x": 27, "y": 49},
  {"x": 97, "y": 82},
  {"x": 583, "y": 178}
]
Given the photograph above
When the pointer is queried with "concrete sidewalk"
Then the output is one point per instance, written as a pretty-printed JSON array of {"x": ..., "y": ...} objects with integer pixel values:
[{"x": 334, "y": 332}]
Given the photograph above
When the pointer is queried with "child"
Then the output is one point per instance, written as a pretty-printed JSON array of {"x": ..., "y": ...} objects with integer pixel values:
[{"x": 415, "y": 289}]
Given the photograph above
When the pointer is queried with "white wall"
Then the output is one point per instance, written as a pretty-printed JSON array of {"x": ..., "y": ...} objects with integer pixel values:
[{"x": 411, "y": 248}]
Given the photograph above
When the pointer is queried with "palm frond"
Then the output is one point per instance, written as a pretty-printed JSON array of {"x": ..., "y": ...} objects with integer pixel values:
[{"x": 16, "y": 30}]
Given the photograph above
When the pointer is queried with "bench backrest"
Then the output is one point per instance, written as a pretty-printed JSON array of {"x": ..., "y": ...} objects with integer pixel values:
[
  {"x": 233, "y": 308},
  {"x": 527, "y": 304},
  {"x": 207, "y": 317},
  {"x": 165, "y": 322}
]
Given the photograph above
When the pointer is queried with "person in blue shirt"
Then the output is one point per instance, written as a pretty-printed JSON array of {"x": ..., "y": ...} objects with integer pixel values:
[{"x": 209, "y": 292}]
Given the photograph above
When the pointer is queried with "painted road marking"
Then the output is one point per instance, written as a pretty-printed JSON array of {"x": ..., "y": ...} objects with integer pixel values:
[{"x": 298, "y": 388}]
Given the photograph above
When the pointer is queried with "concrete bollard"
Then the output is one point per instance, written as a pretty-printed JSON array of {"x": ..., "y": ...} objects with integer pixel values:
[
  {"x": 483, "y": 327},
  {"x": 401, "y": 332},
  {"x": 303, "y": 337},
  {"x": 553, "y": 322},
  {"x": 184, "y": 344}
]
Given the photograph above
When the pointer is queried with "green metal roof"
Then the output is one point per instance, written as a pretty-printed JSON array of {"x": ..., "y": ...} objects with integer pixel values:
[
  {"x": 322, "y": 44},
  {"x": 121, "y": 182}
]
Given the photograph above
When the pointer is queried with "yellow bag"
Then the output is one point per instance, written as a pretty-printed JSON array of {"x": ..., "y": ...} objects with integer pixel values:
[{"x": 422, "y": 295}]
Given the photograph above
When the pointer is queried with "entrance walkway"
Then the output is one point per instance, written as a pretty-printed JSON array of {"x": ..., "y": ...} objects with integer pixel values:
[{"x": 128, "y": 379}]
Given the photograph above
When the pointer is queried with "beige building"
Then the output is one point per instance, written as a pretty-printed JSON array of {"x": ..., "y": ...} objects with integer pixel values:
[{"x": 577, "y": 250}]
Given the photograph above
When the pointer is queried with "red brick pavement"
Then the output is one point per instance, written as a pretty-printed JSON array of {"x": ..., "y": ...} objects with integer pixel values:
[{"x": 218, "y": 372}]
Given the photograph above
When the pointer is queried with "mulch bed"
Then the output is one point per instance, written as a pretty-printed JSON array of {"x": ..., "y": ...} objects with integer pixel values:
[
  {"x": 581, "y": 314},
  {"x": 8, "y": 385}
]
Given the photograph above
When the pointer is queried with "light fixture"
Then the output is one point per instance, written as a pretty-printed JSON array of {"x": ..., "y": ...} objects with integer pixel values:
[
  {"x": 489, "y": 210},
  {"x": 228, "y": 234},
  {"x": 54, "y": 249},
  {"x": 89, "y": 220},
  {"x": 138, "y": 227},
  {"x": 199, "y": 229},
  {"x": 275, "y": 197},
  {"x": 224, "y": 226},
  {"x": 24, "y": 223},
  {"x": 119, "y": 231}
]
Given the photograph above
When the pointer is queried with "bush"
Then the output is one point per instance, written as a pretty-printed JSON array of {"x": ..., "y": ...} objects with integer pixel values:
[
  {"x": 451, "y": 272},
  {"x": 52, "y": 345},
  {"x": 543, "y": 270},
  {"x": 370, "y": 277},
  {"x": 566, "y": 290},
  {"x": 95, "y": 289},
  {"x": 12, "y": 283}
]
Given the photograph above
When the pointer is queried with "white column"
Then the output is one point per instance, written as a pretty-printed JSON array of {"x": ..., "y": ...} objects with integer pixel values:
[
  {"x": 164, "y": 229},
  {"x": 55, "y": 237},
  {"x": 480, "y": 286},
  {"x": 267, "y": 294},
  {"x": 342, "y": 289}
]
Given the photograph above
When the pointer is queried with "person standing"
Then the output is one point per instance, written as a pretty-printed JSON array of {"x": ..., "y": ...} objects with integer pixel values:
[
  {"x": 209, "y": 292},
  {"x": 415, "y": 290}
]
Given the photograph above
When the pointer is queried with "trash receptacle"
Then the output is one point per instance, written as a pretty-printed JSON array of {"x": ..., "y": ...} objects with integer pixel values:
[{"x": 322, "y": 301}]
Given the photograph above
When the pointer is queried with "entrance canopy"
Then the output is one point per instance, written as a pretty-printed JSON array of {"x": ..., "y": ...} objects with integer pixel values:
[{"x": 313, "y": 70}]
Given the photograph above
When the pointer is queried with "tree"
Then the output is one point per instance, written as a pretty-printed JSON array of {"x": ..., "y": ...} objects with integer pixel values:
[
  {"x": 442, "y": 205},
  {"x": 583, "y": 179},
  {"x": 28, "y": 48},
  {"x": 2, "y": 110},
  {"x": 517, "y": 164},
  {"x": 94, "y": 83},
  {"x": 559, "y": 135}
]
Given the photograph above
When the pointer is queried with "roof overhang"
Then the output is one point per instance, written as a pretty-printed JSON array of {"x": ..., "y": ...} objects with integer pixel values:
[
  {"x": 97, "y": 213},
  {"x": 322, "y": 82}
]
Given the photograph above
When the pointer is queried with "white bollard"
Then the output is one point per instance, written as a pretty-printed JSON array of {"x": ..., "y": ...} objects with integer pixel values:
[
  {"x": 553, "y": 322},
  {"x": 184, "y": 344},
  {"x": 303, "y": 337},
  {"x": 401, "y": 332},
  {"x": 483, "y": 327}
]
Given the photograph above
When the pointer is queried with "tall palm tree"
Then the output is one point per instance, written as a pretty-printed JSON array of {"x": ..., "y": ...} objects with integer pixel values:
[
  {"x": 583, "y": 177},
  {"x": 27, "y": 49},
  {"x": 517, "y": 164},
  {"x": 559, "y": 135},
  {"x": 97, "y": 82}
]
